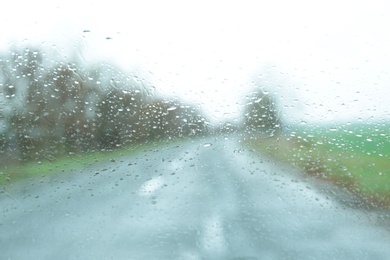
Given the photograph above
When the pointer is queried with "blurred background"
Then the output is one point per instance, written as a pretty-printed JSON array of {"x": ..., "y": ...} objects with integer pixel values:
[{"x": 81, "y": 76}]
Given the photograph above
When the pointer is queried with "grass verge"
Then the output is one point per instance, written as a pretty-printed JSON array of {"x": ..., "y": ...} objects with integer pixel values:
[
  {"x": 343, "y": 159},
  {"x": 67, "y": 164}
]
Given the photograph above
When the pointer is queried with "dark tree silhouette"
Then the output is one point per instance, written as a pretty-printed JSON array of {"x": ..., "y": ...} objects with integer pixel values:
[
  {"x": 49, "y": 108},
  {"x": 261, "y": 115}
]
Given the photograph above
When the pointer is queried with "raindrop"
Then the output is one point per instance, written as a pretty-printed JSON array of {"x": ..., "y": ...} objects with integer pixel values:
[{"x": 207, "y": 144}]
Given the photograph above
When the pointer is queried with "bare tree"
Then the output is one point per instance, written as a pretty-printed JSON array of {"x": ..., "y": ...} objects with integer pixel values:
[{"x": 261, "y": 115}]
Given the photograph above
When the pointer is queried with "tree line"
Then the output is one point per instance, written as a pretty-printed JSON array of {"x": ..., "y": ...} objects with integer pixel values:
[{"x": 51, "y": 107}]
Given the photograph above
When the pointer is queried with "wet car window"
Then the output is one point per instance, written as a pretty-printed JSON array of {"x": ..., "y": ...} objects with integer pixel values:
[{"x": 194, "y": 130}]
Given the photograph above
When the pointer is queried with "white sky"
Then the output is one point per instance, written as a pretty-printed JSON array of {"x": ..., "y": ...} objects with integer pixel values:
[{"x": 327, "y": 60}]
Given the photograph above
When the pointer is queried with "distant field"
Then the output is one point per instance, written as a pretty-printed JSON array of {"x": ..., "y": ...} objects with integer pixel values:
[{"x": 355, "y": 157}]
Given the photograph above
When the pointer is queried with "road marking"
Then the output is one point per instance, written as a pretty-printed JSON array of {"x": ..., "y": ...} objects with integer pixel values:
[
  {"x": 151, "y": 186},
  {"x": 213, "y": 239}
]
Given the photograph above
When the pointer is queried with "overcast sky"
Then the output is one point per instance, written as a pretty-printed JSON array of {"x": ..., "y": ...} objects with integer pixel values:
[{"x": 325, "y": 60}]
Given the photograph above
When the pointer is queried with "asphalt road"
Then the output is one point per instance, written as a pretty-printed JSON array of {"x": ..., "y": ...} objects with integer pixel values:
[{"x": 198, "y": 200}]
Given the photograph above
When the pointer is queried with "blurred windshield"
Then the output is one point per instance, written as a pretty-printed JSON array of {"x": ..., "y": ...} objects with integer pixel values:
[{"x": 194, "y": 130}]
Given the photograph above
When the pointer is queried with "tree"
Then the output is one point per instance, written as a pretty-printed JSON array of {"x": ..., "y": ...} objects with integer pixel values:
[
  {"x": 171, "y": 118},
  {"x": 49, "y": 107},
  {"x": 261, "y": 115},
  {"x": 23, "y": 102}
]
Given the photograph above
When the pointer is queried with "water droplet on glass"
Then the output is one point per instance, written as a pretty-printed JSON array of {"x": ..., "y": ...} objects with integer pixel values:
[{"x": 207, "y": 144}]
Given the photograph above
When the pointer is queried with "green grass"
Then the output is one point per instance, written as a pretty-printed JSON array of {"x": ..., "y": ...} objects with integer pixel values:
[
  {"x": 354, "y": 157},
  {"x": 71, "y": 163}
]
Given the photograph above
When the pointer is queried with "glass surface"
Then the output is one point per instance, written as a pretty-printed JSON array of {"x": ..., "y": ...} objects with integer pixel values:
[{"x": 194, "y": 130}]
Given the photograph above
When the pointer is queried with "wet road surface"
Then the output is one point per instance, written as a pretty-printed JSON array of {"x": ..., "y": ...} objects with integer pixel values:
[{"x": 203, "y": 199}]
